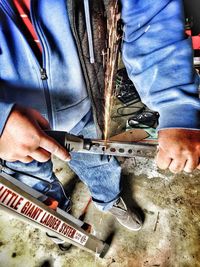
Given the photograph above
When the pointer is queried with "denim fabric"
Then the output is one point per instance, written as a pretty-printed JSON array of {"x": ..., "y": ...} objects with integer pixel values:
[
  {"x": 49, "y": 185},
  {"x": 102, "y": 176}
]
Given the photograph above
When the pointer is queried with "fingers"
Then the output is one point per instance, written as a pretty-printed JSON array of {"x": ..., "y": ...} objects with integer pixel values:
[
  {"x": 41, "y": 152},
  {"x": 177, "y": 165},
  {"x": 198, "y": 167},
  {"x": 191, "y": 164},
  {"x": 187, "y": 165},
  {"x": 23, "y": 138},
  {"x": 179, "y": 150},
  {"x": 40, "y": 155},
  {"x": 44, "y": 124},
  {"x": 50, "y": 145},
  {"x": 162, "y": 160},
  {"x": 26, "y": 159},
  {"x": 47, "y": 144}
]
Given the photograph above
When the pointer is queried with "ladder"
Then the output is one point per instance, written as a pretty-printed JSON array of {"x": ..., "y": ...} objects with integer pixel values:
[{"x": 27, "y": 204}]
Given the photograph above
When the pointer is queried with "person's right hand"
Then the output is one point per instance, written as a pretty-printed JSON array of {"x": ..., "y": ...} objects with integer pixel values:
[{"x": 23, "y": 138}]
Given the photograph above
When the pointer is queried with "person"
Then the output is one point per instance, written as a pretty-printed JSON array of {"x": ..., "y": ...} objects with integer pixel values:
[
  {"x": 159, "y": 60},
  {"x": 52, "y": 76}
]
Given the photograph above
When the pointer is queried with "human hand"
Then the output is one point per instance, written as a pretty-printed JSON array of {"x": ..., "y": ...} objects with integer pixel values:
[
  {"x": 23, "y": 138},
  {"x": 179, "y": 150}
]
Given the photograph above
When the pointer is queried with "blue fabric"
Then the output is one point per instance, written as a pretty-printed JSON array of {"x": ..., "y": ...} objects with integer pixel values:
[
  {"x": 159, "y": 60},
  {"x": 63, "y": 95},
  {"x": 102, "y": 176},
  {"x": 5, "y": 109},
  {"x": 30, "y": 175}
]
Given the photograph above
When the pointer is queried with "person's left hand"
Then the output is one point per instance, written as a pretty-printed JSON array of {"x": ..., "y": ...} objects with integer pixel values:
[{"x": 179, "y": 150}]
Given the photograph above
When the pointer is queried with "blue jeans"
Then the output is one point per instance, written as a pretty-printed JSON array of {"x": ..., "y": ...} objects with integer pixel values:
[{"x": 102, "y": 176}]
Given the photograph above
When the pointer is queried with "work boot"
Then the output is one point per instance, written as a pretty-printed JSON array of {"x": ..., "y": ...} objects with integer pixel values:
[{"x": 126, "y": 217}]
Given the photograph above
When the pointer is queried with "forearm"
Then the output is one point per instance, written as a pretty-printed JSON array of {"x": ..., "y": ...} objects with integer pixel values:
[{"x": 159, "y": 60}]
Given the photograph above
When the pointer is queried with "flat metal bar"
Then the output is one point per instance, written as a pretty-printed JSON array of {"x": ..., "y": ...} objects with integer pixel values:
[
  {"x": 122, "y": 149},
  {"x": 102, "y": 147}
]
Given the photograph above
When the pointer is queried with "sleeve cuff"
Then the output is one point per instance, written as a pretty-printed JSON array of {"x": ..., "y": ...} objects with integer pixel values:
[{"x": 184, "y": 116}]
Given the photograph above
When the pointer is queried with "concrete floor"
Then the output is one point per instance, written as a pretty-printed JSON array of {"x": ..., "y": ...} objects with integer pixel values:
[{"x": 170, "y": 235}]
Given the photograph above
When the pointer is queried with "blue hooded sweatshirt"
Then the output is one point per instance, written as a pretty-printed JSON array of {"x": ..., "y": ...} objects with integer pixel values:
[
  {"x": 156, "y": 52},
  {"x": 159, "y": 60},
  {"x": 57, "y": 87}
]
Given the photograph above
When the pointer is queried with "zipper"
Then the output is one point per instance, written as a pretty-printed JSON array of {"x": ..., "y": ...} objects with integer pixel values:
[
  {"x": 44, "y": 77},
  {"x": 43, "y": 74},
  {"x": 42, "y": 71}
]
